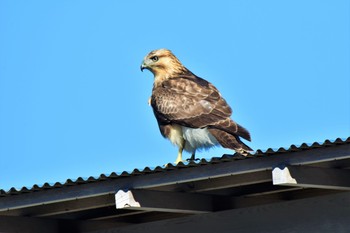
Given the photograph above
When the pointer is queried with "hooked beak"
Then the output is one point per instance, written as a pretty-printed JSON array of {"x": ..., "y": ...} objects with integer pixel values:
[{"x": 142, "y": 67}]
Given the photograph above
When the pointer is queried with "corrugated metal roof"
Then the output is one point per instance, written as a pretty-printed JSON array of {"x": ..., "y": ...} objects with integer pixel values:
[
  {"x": 229, "y": 182},
  {"x": 147, "y": 170}
]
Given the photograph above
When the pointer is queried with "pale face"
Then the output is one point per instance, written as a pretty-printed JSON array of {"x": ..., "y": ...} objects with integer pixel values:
[{"x": 161, "y": 63}]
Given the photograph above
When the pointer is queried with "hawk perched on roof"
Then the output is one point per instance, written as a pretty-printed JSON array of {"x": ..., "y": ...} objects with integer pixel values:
[{"x": 190, "y": 111}]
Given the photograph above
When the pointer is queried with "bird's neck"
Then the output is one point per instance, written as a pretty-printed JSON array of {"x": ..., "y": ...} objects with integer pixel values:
[{"x": 160, "y": 75}]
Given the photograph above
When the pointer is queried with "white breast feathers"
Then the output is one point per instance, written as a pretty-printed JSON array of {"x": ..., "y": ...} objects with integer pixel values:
[{"x": 198, "y": 139}]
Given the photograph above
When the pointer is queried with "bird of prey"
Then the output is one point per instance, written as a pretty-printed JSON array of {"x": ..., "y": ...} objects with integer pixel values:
[{"x": 190, "y": 111}]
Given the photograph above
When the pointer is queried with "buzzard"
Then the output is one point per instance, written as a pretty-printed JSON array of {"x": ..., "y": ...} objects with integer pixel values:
[{"x": 190, "y": 111}]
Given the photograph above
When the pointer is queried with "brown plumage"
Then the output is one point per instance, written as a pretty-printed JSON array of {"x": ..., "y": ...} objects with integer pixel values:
[{"x": 190, "y": 111}]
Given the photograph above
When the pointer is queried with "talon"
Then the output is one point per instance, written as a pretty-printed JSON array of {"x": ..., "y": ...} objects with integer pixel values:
[{"x": 190, "y": 159}]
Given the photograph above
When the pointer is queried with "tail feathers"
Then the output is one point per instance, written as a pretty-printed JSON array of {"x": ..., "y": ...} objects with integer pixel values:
[
  {"x": 230, "y": 141},
  {"x": 242, "y": 132},
  {"x": 233, "y": 128}
]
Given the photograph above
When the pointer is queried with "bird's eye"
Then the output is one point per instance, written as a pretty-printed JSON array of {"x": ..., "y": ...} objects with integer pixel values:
[{"x": 154, "y": 58}]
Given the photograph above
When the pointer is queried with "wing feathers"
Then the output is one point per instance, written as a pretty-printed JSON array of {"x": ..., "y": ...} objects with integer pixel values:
[
  {"x": 190, "y": 102},
  {"x": 229, "y": 141}
]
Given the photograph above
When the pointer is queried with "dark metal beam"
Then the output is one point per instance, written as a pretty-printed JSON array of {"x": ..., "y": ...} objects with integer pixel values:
[
  {"x": 164, "y": 201},
  {"x": 14, "y": 224},
  {"x": 212, "y": 184},
  {"x": 11, "y": 224},
  {"x": 63, "y": 207},
  {"x": 312, "y": 177},
  {"x": 323, "y": 214}
]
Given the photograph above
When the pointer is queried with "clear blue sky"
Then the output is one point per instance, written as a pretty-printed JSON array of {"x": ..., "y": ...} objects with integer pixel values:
[{"x": 73, "y": 101}]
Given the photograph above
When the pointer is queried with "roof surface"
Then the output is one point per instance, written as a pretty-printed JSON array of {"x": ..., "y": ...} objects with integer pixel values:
[
  {"x": 229, "y": 182},
  {"x": 147, "y": 170}
]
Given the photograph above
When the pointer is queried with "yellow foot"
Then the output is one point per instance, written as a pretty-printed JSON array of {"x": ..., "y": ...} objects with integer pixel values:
[
  {"x": 179, "y": 156},
  {"x": 173, "y": 164},
  {"x": 179, "y": 160}
]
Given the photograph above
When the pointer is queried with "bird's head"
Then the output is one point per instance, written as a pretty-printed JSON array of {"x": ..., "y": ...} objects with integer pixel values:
[{"x": 162, "y": 63}]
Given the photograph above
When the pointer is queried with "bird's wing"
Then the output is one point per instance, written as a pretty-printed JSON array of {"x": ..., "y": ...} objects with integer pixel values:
[{"x": 189, "y": 101}]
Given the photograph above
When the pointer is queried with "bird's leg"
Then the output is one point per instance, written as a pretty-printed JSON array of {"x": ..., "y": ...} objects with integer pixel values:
[
  {"x": 193, "y": 157},
  {"x": 179, "y": 155}
]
